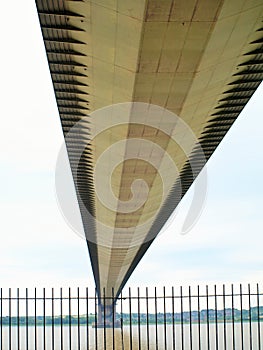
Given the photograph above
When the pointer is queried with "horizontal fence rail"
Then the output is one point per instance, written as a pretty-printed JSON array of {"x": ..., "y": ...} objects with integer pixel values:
[{"x": 201, "y": 317}]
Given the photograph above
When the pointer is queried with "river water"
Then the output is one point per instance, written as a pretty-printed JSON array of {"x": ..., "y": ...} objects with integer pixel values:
[{"x": 246, "y": 337}]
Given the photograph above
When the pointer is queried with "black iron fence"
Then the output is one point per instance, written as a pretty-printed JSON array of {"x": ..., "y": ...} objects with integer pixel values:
[{"x": 202, "y": 317}]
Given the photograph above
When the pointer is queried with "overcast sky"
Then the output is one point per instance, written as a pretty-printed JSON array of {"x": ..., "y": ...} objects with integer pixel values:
[{"x": 37, "y": 246}]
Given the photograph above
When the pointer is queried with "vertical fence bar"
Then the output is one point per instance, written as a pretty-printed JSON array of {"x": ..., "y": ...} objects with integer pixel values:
[
  {"x": 87, "y": 316},
  {"x": 113, "y": 319},
  {"x": 250, "y": 321},
  {"x": 96, "y": 321},
  {"x": 121, "y": 324},
  {"x": 18, "y": 321},
  {"x": 9, "y": 321},
  {"x": 164, "y": 319},
  {"x": 233, "y": 316},
  {"x": 156, "y": 319},
  {"x": 224, "y": 309},
  {"x": 52, "y": 318},
  {"x": 35, "y": 319},
  {"x": 104, "y": 320},
  {"x": 139, "y": 318},
  {"x": 147, "y": 319},
  {"x": 241, "y": 318},
  {"x": 69, "y": 317},
  {"x": 27, "y": 319},
  {"x": 44, "y": 318},
  {"x": 207, "y": 318},
  {"x": 173, "y": 325},
  {"x": 78, "y": 320},
  {"x": 258, "y": 319},
  {"x": 130, "y": 311},
  {"x": 61, "y": 319},
  {"x": 199, "y": 318},
  {"x": 182, "y": 317},
  {"x": 190, "y": 320},
  {"x": 1, "y": 321},
  {"x": 122, "y": 338},
  {"x": 216, "y": 320}
]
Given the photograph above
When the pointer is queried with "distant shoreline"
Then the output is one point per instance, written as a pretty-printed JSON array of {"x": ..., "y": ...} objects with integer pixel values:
[
  {"x": 254, "y": 314},
  {"x": 125, "y": 324}
]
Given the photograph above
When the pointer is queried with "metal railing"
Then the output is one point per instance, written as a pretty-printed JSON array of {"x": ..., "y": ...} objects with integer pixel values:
[{"x": 201, "y": 317}]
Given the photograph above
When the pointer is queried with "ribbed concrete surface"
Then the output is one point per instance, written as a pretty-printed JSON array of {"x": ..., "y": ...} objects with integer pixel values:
[{"x": 201, "y": 60}]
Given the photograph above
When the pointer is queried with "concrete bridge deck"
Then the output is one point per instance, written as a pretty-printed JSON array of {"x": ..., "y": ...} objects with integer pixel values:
[{"x": 198, "y": 59}]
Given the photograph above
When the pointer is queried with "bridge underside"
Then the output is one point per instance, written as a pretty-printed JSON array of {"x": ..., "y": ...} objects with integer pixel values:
[{"x": 199, "y": 59}]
